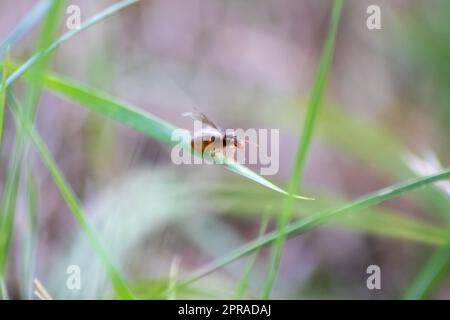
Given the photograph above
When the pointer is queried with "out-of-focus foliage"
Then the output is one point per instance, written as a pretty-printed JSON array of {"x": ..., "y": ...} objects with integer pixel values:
[{"x": 111, "y": 95}]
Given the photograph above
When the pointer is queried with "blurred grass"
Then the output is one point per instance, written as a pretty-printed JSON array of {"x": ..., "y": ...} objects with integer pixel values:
[
  {"x": 367, "y": 142},
  {"x": 425, "y": 37},
  {"x": 380, "y": 150},
  {"x": 8, "y": 205},
  {"x": 137, "y": 119},
  {"x": 3, "y": 97},
  {"x": 384, "y": 153},
  {"x": 107, "y": 106},
  {"x": 100, "y": 136},
  {"x": 45, "y": 51},
  {"x": 245, "y": 280},
  {"x": 24, "y": 26},
  {"x": 29, "y": 237},
  {"x": 36, "y": 66},
  {"x": 320, "y": 218},
  {"x": 425, "y": 41},
  {"x": 156, "y": 289},
  {"x": 431, "y": 274},
  {"x": 371, "y": 144},
  {"x": 72, "y": 202},
  {"x": 32, "y": 94},
  {"x": 99, "y": 102},
  {"x": 244, "y": 201},
  {"x": 304, "y": 144},
  {"x": 47, "y": 35}
]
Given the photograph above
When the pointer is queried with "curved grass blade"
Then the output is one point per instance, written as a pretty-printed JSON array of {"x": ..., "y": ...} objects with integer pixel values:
[
  {"x": 72, "y": 202},
  {"x": 373, "y": 221},
  {"x": 242, "y": 199},
  {"x": 3, "y": 290},
  {"x": 47, "y": 35},
  {"x": 111, "y": 10},
  {"x": 244, "y": 281},
  {"x": 137, "y": 119},
  {"x": 429, "y": 276},
  {"x": 395, "y": 226},
  {"x": 30, "y": 236},
  {"x": 320, "y": 218},
  {"x": 8, "y": 205},
  {"x": 24, "y": 26},
  {"x": 38, "y": 62},
  {"x": 246, "y": 172},
  {"x": 33, "y": 91},
  {"x": 304, "y": 144},
  {"x": 3, "y": 96}
]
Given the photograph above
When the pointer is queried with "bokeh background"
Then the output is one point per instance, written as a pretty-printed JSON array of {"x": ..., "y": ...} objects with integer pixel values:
[{"x": 246, "y": 64}]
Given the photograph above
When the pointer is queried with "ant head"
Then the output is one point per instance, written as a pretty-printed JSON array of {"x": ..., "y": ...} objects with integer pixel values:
[
  {"x": 237, "y": 142},
  {"x": 233, "y": 140}
]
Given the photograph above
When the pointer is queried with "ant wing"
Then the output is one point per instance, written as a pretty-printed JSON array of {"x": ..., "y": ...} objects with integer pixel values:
[{"x": 197, "y": 115}]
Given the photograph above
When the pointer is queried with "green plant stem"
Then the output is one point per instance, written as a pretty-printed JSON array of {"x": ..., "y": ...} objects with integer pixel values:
[
  {"x": 434, "y": 270},
  {"x": 33, "y": 92},
  {"x": 3, "y": 95},
  {"x": 36, "y": 66},
  {"x": 24, "y": 26},
  {"x": 30, "y": 236},
  {"x": 137, "y": 119},
  {"x": 111, "y": 10},
  {"x": 245, "y": 280},
  {"x": 72, "y": 202},
  {"x": 316, "y": 220},
  {"x": 304, "y": 144}
]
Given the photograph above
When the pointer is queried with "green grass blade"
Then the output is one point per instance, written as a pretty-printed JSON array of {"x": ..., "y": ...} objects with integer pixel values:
[
  {"x": 3, "y": 96},
  {"x": 137, "y": 119},
  {"x": 244, "y": 200},
  {"x": 434, "y": 270},
  {"x": 24, "y": 26},
  {"x": 246, "y": 172},
  {"x": 111, "y": 10},
  {"x": 245, "y": 280},
  {"x": 320, "y": 218},
  {"x": 9, "y": 201},
  {"x": 3, "y": 290},
  {"x": 72, "y": 202},
  {"x": 395, "y": 226},
  {"x": 30, "y": 236},
  {"x": 47, "y": 33},
  {"x": 38, "y": 63},
  {"x": 16, "y": 35},
  {"x": 107, "y": 106},
  {"x": 103, "y": 104},
  {"x": 304, "y": 144},
  {"x": 317, "y": 93}
]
